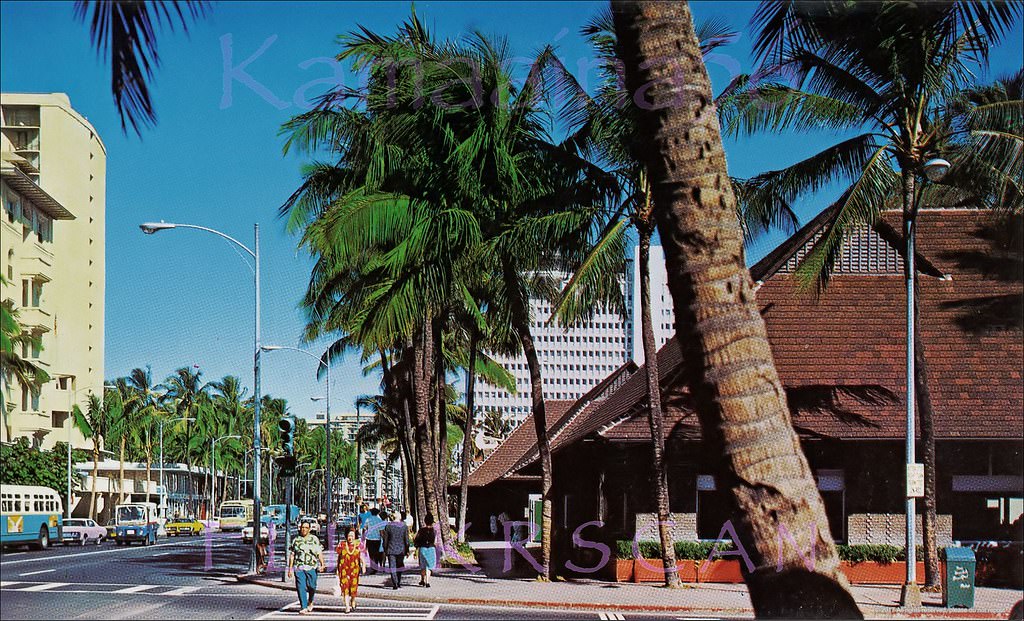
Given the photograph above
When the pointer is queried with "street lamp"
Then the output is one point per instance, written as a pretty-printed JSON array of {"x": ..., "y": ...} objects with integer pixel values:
[
  {"x": 163, "y": 491},
  {"x": 71, "y": 424},
  {"x": 213, "y": 470},
  {"x": 150, "y": 228},
  {"x": 934, "y": 170},
  {"x": 322, "y": 360}
]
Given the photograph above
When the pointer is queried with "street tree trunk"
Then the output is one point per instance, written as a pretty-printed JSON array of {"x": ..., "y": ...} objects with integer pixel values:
[
  {"x": 727, "y": 360},
  {"x": 149, "y": 463},
  {"x": 424, "y": 367},
  {"x": 521, "y": 323},
  {"x": 929, "y": 519},
  {"x": 655, "y": 418},
  {"x": 467, "y": 438}
]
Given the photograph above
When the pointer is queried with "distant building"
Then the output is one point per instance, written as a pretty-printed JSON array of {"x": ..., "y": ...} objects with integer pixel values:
[
  {"x": 345, "y": 422},
  {"x": 53, "y": 186},
  {"x": 575, "y": 360}
]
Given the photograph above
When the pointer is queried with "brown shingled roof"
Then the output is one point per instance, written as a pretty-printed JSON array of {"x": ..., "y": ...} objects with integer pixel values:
[{"x": 840, "y": 356}]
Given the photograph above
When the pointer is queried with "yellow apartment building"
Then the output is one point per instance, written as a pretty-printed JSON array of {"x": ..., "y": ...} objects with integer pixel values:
[{"x": 52, "y": 246}]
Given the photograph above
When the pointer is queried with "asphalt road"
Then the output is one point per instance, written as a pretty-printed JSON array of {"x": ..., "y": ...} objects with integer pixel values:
[{"x": 193, "y": 578}]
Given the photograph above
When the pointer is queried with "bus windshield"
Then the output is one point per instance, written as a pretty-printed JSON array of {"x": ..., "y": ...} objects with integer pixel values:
[
  {"x": 232, "y": 511},
  {"x": 130, "y": 514}
]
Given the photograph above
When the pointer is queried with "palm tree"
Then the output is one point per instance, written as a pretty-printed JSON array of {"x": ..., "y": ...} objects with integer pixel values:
[
  {"x": 95, "y": 424},
  {"x": 125, "y": 32},
  {"x": 727, "y": 362},
  {"x": 892, "y": 76},
  {"x": 604, "y": 129},
  {"x": 141, "y": 384},
  {"x": 28, "y": 375}
]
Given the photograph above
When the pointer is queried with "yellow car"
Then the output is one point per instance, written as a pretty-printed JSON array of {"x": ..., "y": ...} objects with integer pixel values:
[{"x": 183, "y": 526}]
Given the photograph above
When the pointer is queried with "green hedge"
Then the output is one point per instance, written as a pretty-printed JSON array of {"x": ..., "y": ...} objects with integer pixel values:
[
  {"x": 879, "y": 553},
  {"x": 685, "y": 550},
  {"x": 700, "y": 550}
]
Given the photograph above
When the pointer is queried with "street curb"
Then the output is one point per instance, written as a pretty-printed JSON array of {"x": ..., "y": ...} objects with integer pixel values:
[{"x": 466, "y": 601}]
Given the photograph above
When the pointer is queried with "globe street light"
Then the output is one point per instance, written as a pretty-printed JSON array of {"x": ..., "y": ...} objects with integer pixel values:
[
  {"x": 322, "y": 360},
  {"x": 934, "y": 170},
  {"x": 150, "y": 228},
  {"x": 213, "y": 470}
]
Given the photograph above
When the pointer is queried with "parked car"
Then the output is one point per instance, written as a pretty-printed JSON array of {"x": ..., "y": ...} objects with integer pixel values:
[
  {"x": 183, "y": 526},
  {"x": 82, "y": 531}
]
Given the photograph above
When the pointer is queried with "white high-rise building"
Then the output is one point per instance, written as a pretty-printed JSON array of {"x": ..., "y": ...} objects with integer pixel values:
[
  {"x": 662, "y": 315},
  {"x": 575, "y": 360}
]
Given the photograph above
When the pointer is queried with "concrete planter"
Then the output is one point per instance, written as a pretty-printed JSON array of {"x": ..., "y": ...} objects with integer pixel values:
[{"x": 873, "y": 572}]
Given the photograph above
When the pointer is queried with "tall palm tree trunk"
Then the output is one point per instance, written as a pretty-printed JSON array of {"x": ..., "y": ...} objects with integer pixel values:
[
  {"x": 655, "y": 417},
  {"x": 929, "y": 519},
  {"x": 727, "y": 360},
  {"x": 421, "y": 389},
  {"x": 149, "y": 463},
  {"x": 521, "y": 322},
  {"x": 442, "y": 441},
  {"x": 467, "y": 438}
]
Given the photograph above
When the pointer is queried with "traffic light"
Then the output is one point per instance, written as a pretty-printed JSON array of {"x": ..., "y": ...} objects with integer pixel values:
[{"x": 287, "y": 428}]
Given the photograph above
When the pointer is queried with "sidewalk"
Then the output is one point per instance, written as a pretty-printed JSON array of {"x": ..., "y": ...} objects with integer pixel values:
[{"x": 461, "y": 586}]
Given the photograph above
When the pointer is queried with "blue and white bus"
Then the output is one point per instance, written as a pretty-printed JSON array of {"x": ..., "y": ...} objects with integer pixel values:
[{"x": 30, "y": 514}]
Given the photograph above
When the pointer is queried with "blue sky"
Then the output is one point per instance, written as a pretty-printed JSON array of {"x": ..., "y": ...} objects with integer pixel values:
[{"x": 185, "y": 297}]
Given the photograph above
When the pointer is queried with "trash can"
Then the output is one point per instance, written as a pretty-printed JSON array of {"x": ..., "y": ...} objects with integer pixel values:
[{"x": 958, "y": 579}]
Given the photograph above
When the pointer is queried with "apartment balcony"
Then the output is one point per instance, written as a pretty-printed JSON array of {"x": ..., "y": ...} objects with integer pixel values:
[
  {"x": 37, "y": 264},
  {"x": 35, "y": 318}
]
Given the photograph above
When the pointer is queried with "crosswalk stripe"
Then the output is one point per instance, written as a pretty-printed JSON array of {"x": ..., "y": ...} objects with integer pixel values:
[
  {"x": 46, "y": 586},
  {"x": 136, "y": 588},
  {"x": 7, "y": 583},
  {"x": 181, "y": 590}
]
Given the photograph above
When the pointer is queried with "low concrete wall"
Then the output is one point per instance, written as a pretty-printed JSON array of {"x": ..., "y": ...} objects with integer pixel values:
[
  {"x": 890, "y": 529},
  {"x": 684, "y": 526}
]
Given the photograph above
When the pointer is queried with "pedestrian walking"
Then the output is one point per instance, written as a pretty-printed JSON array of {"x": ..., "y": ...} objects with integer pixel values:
[
  {"x": 395, "y": 541},
  {"x": 350, "y": 561},
  {"x": 305, "y": 555},
  {"x": 372, "y": 527},
  {"x": 426, "y": 550}
]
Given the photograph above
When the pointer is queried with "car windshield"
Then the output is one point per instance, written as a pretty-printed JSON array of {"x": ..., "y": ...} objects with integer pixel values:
[
  {"x": 130, "y": 514},
  {"x": 74, "y": 522},
  {"x": 232, "y": 512}
]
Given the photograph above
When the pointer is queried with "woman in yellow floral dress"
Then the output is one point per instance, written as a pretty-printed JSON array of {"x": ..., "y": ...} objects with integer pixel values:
[{"x": 350, "y": 564}]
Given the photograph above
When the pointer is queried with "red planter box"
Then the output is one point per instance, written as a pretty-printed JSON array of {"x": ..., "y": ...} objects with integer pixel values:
[
  {"x": 871, "y": 572},
  {"x": 720, "y": 571},
  {"x": 651, "y": 570}
]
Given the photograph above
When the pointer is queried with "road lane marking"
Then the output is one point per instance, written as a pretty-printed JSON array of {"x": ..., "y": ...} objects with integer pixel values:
[
  {"x": 46, "y": 586},
  {"x": 424, "y": 613},
  {"x": 4, "y": 583},
  {"x": 181, "y": 591},
  {"x": 118, "y": 549},
  {"x": 41, "y": 571},
  {"x": 136, "y": 588}
]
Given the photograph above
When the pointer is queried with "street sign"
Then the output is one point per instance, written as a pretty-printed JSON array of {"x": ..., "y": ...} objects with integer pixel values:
[{"x": 915, "y": 480}]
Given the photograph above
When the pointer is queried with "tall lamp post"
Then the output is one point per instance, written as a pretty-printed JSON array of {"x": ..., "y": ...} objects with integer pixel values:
[
  {"x": 213, "y": 470},
  {"x": 163, "y": 491},
  {"x": 322, "y": 360},
  {"x": 152, "y": 227},
  {"x": 934, "y": 170},
  {"x": 71, "y": 424}
]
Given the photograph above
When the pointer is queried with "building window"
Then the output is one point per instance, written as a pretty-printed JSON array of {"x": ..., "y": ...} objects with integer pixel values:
[{"x": 10, "y": 265}]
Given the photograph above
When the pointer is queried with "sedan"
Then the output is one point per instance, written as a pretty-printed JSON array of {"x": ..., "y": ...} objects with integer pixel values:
[
  {"x": 82, "y": 531},
  {"x": 183, "y": 526}
]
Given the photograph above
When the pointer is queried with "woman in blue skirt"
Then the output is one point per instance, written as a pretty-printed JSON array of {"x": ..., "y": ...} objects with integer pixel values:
[{"x": 426, "y": 550}]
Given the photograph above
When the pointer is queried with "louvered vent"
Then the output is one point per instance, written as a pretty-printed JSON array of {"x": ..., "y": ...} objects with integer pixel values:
[{"x": 864, "y": 252}]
